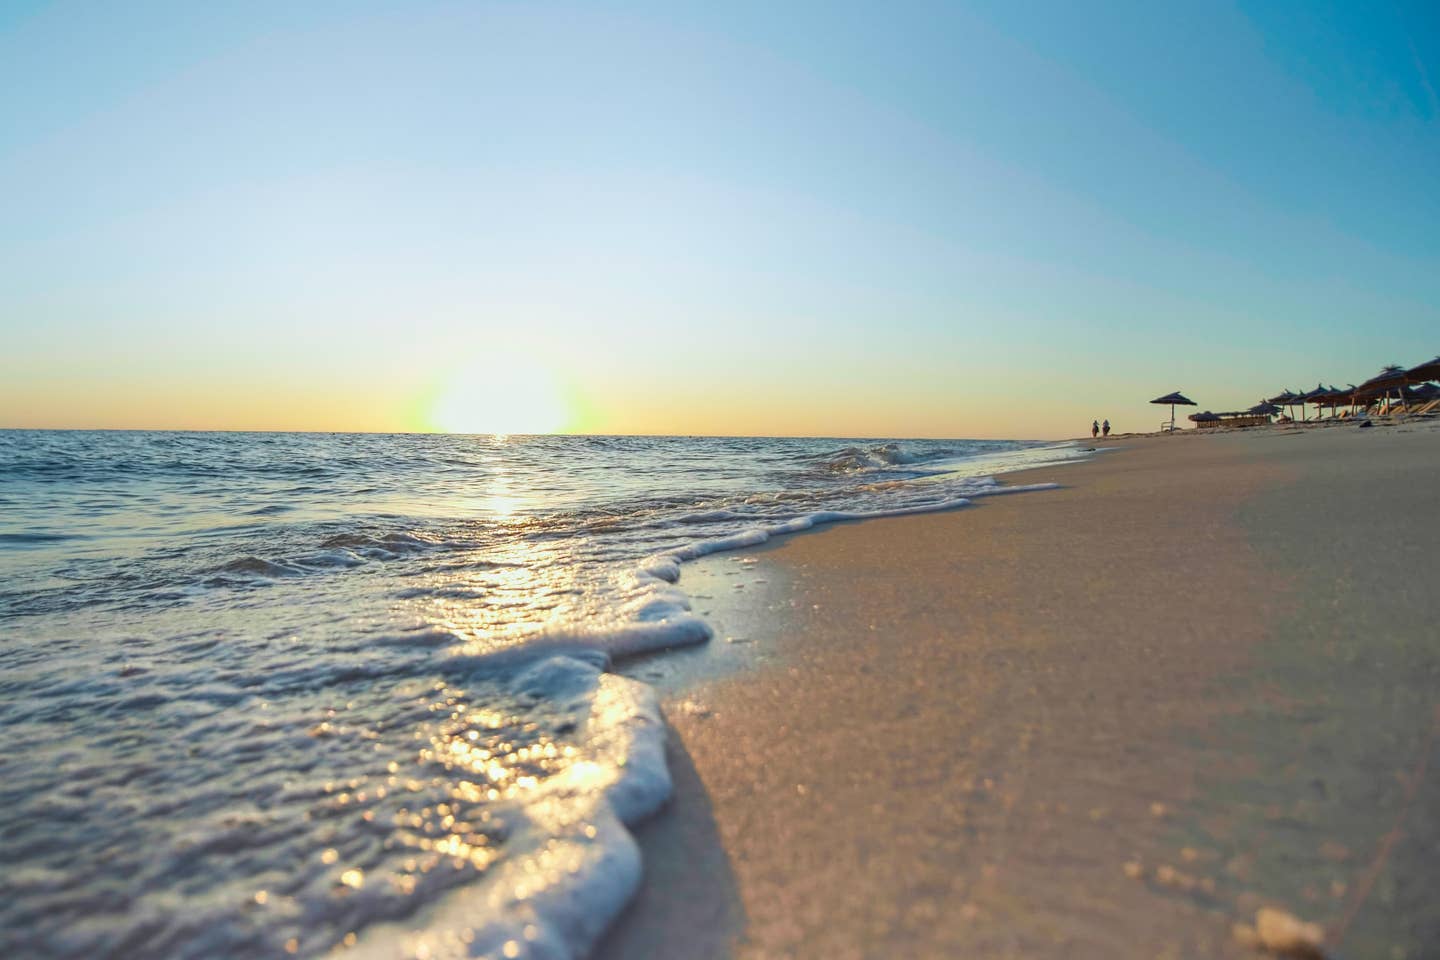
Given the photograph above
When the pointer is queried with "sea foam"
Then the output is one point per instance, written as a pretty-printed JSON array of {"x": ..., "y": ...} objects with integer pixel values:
[
  {"x": 383, "y": 715},
  {"x": 557, "y": 906},
  {"x": 554, "y": 899}
]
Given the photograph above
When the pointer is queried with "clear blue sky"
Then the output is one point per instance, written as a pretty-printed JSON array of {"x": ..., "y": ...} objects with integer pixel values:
[{"x": 986, "y": 219}]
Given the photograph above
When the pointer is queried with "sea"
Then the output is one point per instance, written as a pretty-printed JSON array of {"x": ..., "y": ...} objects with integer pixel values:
[{"x": 285, "y": 694}]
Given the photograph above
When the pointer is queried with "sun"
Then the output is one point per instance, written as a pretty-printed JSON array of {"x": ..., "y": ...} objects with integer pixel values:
[{"x": 500, "y": 394}]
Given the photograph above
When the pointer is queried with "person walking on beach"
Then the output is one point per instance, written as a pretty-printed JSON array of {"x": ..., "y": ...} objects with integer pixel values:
[
  {"x": 1105, "y": 428},
  {"x": 1094, "y": 428}
]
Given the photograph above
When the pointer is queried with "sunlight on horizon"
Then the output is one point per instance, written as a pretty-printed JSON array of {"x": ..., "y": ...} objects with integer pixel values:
[{"x": 500, "y": 394}]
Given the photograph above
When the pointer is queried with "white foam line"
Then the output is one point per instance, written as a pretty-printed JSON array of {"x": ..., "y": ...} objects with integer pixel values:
[
  {"x": 555, "y": 899},
  {"x": 666, "y": 566},
  {"x": 1018, "y": 488},
  {"x": 557, "y": 903}
]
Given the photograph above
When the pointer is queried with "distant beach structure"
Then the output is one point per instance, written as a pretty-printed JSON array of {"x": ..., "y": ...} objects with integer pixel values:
[
  {"x": 1173, "y": 399},
  {"x": 1394, "y": 390}
]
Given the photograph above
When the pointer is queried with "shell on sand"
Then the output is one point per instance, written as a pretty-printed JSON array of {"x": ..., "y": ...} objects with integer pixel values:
[{"x": 1284, "y": 934}]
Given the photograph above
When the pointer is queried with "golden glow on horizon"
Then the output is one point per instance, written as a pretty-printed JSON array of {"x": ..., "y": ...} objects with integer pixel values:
[
  {"x": 572, "y": 396},
  {"x": 500, "y": 394}
]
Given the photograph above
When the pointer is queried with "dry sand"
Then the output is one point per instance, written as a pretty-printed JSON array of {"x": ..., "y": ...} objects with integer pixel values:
[{"x": 1108, "y": 720}]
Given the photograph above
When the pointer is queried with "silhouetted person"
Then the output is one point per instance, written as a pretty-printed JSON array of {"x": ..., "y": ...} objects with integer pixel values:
[
  {"x": 1094, "y": 428},
  {"x": 1105, "y": 428}
]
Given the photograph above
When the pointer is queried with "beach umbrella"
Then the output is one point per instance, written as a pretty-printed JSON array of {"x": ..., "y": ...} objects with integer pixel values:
[
  {"x": 1331, "y": 398},
  {"x": 1429, "y": 370},
  {"x": 1339, "y": 396},
  {"x": 1265, "y": 409},
  {"x": 1287, "y": 398},
  {"x": 1173, "y": 399},
  {"x": 1317, "y": 397},
  {"x": 1391, "y": 377},
  {"x": 1426, "y": 391}
]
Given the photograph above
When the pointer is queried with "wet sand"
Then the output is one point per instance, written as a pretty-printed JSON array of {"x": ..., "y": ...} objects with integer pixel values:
[{"x": 1108, "y": 720}]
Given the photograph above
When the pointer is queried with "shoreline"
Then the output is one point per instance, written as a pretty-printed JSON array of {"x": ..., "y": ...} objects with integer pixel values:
[{"x": 1021, "y": 764}]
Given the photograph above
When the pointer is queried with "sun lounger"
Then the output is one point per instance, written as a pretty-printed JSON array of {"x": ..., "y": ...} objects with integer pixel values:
[{"x": 1427, "y": 408}]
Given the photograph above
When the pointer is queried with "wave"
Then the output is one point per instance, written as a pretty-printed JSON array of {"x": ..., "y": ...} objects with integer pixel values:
[
  {"x": 260, "y": 567},
  {"x": 878, "y": 457},
  {"x": 341, "y": 551},
  {"x": 36, "y": 539},
  {"x": 570, "y": 865},
  {"x": 270, "y": 510}
]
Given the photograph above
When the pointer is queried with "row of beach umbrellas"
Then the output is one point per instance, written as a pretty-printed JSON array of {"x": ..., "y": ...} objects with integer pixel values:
[
  {"x": 1405, "y": 386},
  {"x": 1391, "y": 380}
]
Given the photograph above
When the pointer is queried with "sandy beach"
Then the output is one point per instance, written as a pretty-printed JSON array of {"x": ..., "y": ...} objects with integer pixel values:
[{"x": 1108, "y": 720}]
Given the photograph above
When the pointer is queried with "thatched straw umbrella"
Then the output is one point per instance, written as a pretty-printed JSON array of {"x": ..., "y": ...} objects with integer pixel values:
[
  {"x": 1318, "y": 397},
  {"x": 1342, "y": 396},
  {"x": 1390, "y": 377},
  {"x": 1288, "y": 398},
  {"x": 1332, "y": 398},
  {"x": 1172, "y": 399},
  {"x": 1430, "y": 370},
  {"x": 1265, "y": 409}
]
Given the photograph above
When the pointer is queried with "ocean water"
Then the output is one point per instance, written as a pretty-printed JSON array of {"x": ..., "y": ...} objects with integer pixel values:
[{"x": 295, "y": 694}]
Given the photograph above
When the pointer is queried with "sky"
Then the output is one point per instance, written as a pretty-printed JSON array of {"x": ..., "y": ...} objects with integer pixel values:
[{"x": 830, "y": 219}]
